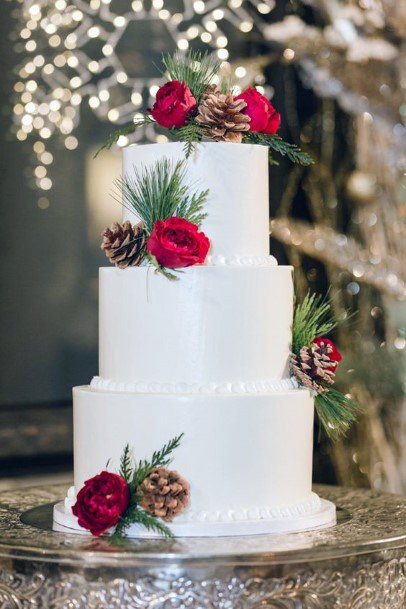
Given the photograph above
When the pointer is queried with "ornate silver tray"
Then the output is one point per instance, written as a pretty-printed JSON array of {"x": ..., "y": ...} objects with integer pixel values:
[{"x": 360, "y": 563}]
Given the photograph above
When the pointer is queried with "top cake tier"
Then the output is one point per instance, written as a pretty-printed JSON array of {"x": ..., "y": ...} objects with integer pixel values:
[{"x": 236, "y": 175}]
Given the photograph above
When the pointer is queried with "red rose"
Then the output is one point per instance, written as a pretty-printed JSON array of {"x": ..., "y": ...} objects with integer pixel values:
[
  {"x": 177, "y": 243},
  {"x": 101, "y": 502},
  {"x": 174, "y": 102},
  {"x": 264, "y": 117},
  {"x": 327, "y": 347}
]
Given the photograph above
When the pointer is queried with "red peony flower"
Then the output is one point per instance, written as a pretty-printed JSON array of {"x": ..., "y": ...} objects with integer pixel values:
[
  {"x": 174, "y": 102},
  {"x": 177, "y": 243},
  {"x": 264, "y": 117},
  {"x": 329, "y": 349},
  {"x": 101, "y": 502}
]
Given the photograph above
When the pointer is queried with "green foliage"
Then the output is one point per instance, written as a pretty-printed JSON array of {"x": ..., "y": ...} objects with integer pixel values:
[
  {"x": 158, "y": 193},
  {"x": 336, "y": 412},
  {"x": 162, "y": 269},
  {"x": 276, "y": 143},
  {"x": 195, "y": 68},
  {"x": 160, "y": 458},
  {"x": 126, "y": 467},
  {"x": 124, "y": 130},
  {"x": 134, "y": 474},
  {"x": 135, "y": 515},
  {"x": 191, "y": 134},
  {"x": 312, "y": 318}
]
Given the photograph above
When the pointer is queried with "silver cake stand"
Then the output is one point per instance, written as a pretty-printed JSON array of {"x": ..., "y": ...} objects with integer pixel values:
[{"x": 358, "y": 564}]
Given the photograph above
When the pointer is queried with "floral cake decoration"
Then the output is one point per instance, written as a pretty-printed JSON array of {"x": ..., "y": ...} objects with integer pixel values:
[
  {"x": 314, "y": 362},
  {"x": 168, "y": 235},
  {"x": 196, "y": 104},
  {"x": 146, "y": 493}
]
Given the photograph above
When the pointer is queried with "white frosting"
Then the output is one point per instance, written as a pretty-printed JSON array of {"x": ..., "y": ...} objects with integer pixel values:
[
  {"x": 70, "y": 498},
  {"x": 239, "y": 452},
  {"x": 237, "y": 178},
  {"x": 100, "y": 384},
  {"x": 215, "y": 325}
]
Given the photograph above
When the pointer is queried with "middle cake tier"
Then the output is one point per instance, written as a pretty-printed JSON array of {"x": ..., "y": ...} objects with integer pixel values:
[{"x": 217, "y": 329}]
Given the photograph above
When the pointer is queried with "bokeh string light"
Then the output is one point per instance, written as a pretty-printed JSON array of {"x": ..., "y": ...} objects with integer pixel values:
[{"x": 80, "y": 52}]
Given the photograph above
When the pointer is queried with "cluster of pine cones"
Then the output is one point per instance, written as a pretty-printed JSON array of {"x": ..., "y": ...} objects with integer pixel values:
[
  {"x": 164, "y": 494},
  {"x": 222, "y": 117},
  {"x": 313, "y": 367}
]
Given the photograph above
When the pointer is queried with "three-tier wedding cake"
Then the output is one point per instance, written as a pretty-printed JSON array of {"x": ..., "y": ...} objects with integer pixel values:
[{"x": 206, "y": 356}]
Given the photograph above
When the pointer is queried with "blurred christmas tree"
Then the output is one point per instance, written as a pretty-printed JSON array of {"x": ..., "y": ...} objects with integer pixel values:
[{"x": 342, "y": 221}]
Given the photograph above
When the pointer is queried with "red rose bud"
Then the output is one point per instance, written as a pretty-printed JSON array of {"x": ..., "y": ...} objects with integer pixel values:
[
  {"x": 173, "y": 104},
  {"x": 101, "y": 502},
  {"x": 177, "y": 243},
  {"x": 264, "y": 117},
  {"x": 327, "y": 347}
]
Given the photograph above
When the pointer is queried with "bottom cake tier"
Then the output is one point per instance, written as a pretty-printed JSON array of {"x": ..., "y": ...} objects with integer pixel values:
[{"x": 248, "y": 458}]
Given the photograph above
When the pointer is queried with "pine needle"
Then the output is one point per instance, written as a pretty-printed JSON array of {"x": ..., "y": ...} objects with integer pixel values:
[
  {"x": 276, "y": 143},
  {"x": 191, "y": 134},
  {"x": 195, "y": 68},
  {"x": 163, "y": 457},
  {"x": 336, "y": 412},
  {"x": 160, "y": 458},
  {"x": 158, "y": 193},
  {"x": 312, "y": 318},
  {"x": 135, "y": 515},
  {"x": 126, "y": 468},
  {"x": 125, "y": 130}
]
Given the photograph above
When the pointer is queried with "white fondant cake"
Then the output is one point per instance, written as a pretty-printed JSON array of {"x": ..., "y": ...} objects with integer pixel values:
[{"x": 207, "y": 356}]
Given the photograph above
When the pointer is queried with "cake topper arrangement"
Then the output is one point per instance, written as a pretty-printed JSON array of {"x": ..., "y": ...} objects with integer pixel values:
[
  {"x": 146, "y": 493},
  {"x": 314, "y": 362},
  {"x": 168, "y": 235},
  {"x": 196, "y": 104}
]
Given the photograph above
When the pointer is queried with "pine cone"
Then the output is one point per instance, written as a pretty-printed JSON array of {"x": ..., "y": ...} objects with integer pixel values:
[
  {"x": 124, "y": 244},
  {"x": 312, "y": 367},
  {"x": 220, "y": 114},
  {"x": 164, "y": 494},
  {"x": 211, "y": 89}
]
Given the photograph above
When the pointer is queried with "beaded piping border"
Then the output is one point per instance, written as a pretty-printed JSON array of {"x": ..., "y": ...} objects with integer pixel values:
[
  {"x": 241, "y": 261},
  {"x": 251, "y": 387}
]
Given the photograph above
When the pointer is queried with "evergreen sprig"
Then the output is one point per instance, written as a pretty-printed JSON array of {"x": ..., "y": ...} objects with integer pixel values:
[
  {"x": 195, "y": 68},
  {"x": 158, "y": 193},
  {"x": 276, "y": 143},
  {"x": 312, "y": 317},
  {"x": 160, "y": 458},
  {"x": 127, "y": 129},
  {"x": 336, "y": 412},
  {"x": 135, "y": 515},
  {"x": 191, "y": 134},
  {"x": 126, "y": 467}
]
